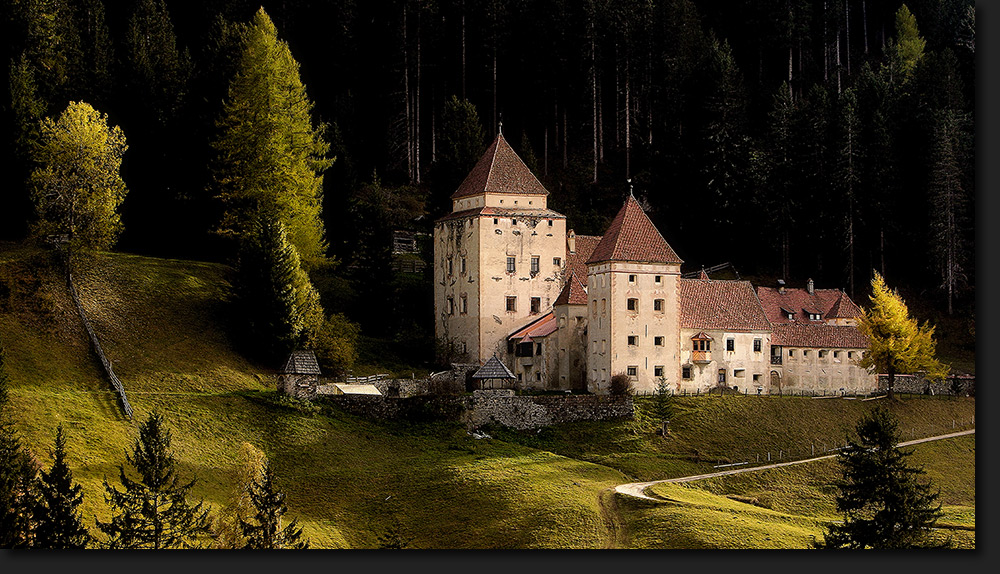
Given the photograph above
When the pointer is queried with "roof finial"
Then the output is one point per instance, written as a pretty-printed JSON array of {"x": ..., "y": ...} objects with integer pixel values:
[
  {"x": 629, "y": 180},
  {"x": 500, "y": 124}
]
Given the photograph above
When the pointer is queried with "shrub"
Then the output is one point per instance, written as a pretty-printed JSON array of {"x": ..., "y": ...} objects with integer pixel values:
[{"x": 621, "y": 384}]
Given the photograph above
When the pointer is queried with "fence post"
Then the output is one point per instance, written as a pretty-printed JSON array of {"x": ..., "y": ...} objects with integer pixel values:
[{"x": 812, "y": 450}]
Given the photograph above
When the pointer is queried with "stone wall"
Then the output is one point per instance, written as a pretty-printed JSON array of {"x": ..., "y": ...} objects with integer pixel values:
[
  {"x": 916, "y": 384},
  {"x": 499, "y": 407}
]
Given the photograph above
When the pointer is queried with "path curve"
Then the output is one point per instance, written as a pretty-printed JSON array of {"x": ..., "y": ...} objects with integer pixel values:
[{"x": 638, "y": 489}]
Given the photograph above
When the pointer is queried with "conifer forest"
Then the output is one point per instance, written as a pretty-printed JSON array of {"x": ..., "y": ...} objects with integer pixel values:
[{"x": 793, "y": 138}]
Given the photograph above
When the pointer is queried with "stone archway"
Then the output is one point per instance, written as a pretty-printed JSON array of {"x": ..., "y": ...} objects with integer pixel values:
[{"x": 775, "y": 382}]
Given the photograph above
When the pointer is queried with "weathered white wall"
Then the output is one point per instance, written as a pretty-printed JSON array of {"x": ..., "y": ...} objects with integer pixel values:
[
  {"x": 705, "y": 376},
  {"x": 571, "y": 339},
  {"x": 804, "y": 369}
]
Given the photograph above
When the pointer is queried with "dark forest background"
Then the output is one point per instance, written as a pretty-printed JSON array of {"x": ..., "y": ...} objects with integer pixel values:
[{"x": 791, "y": 138}]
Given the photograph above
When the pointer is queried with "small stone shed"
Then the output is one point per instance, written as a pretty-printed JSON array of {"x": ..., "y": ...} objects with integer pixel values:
[
  {"x": 493, "y": 370},
  {"x": 300, "y": 375}
]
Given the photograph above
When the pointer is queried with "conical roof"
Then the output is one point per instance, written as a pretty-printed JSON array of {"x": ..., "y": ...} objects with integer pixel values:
[
  {"x": 843, "y": 308},
  {"x": 500, "y": 170},
  {"x": 573, "y": 293},
  {"x": 633, "y": 237},
  {"x": 493, "y": 369}
]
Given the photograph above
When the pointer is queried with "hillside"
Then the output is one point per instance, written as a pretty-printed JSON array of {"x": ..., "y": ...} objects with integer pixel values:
[{"x": 349, "y": 480}]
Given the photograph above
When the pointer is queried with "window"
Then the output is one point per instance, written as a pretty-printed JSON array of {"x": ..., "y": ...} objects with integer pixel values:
[
  {"x": 722, "y": 375},
  {"x": 550, "y": 221},
  {"x": 462, "y": 267},
  {"x": 631, "y": 278},
  {"x": 511, "y": 304},
  {"x": 604, "y": 345},
  {"x": 730, "y": 344},
  {"x": 756, "y": 379},
  {"x": 512, "y": 221},
  {"x": 449, "y": 266},
  {"x": 463, "y": 305},
  {"x": 813, "y": 316},
  {"x": 451, "y": 305},
  {"x": 536, "y": 305},
  {"x": 658, "y": 305},
  {"x": 757, "y": 345},
  {"x": 595, "y": 307},
  {"x": 658, "y": 279},
  {"x": 657, "y": 372},
  {"x": 791, "y": 352},
  {"x": 604, "y": 306},
  {"x": 632, "y": 370},
  {"x": 557, "y": 261},
  {"x": 822, "y": 353},
  {"x": 495, "y": 221},
  {"x": 702, "y": 345},
  {"x": 805, "y": 352},
  {"x": 534, "y": 264},
  {"x": 739, "y": 373},
  {"x": 538, "y": 348},
  {"x": 511, "y": 265},
  {"x": 633, "y": 340},
  {"x": 685, "y": 372},
  {"x": 658, "y": 341},
  {"x": 632, "y": 304},
  {"x": 538, "y": 375},
  {"x": 850, "y": 354}
]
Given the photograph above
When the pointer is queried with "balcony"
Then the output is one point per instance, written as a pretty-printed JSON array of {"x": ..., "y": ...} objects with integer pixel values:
[
  {"x": 701, "y": 357},
  {"x": 775, "y": 359}
]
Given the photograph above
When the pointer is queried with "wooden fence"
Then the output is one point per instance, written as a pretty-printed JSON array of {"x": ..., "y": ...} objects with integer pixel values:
[
  {"x": 96, "y": 345},
  {"x": 367, "y": 380}
]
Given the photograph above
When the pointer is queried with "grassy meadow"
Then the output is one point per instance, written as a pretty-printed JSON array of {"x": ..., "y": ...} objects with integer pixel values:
[{"x": 349, "y": 481}]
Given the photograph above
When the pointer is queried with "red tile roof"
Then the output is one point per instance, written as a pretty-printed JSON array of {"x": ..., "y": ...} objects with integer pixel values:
[
  {"x": 633, "y": 237},
  {"x": 541, "y": 327},
  {"x": 577, "y": 262},
  {"x": 725, "y": 305},
  {"x": 800, "y": 301},
  {"x": 500, "y": 170},
  {"x": 574, "y": 293},
  {"x": 818, "y": 336}
]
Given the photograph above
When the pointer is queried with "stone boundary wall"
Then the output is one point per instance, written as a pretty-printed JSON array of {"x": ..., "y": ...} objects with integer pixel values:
[
  {"x": 500, "y": 407},
  {"x": 916, "y": 384}
]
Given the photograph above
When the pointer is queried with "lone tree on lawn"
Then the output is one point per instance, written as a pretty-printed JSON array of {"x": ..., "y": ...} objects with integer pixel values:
[
  {"x": 883, "y": 504},
  {"x": 77, "y": 186},
  {"x": 56, "y": 514},
  {"x": 264, "y": 531},
  {"x": 153, "y": 513},
  {"x": 896, "y": 344}
]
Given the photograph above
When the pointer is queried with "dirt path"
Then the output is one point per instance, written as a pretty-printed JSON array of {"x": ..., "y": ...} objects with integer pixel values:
[
  {"x": 612, "y": 521},
  {"x": 637, "y": 489}
]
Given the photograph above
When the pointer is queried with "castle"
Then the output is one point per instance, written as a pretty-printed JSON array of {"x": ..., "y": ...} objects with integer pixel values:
[{"x": 568, "y": 312}]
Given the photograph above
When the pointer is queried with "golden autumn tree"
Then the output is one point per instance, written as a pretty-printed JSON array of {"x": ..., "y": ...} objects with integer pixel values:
[{"x": 896, "y": 343}]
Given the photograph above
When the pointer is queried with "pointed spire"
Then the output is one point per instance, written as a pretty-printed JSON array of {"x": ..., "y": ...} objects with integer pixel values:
[
  {"x": 573, "y": 293},
  {"x": 500, "y": 170},
  {"x": 633, "y": 237}
]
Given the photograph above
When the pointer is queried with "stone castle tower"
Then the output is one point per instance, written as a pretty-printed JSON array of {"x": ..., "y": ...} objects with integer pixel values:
[{"x": 499, "y": 256}]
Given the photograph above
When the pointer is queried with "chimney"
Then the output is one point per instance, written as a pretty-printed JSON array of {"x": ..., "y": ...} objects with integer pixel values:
[
  {"x": 781, "y": 286},
  {"x": 809, "y": 286},
  {"x": 571, "y": 241}
]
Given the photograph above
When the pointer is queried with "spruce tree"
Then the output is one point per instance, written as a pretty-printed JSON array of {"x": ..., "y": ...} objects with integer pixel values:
[
  {"x": 264, "y": 531},
  {"x": 948, "y": 203},
  {"x": 56, "y": 515},
  {"x": 883, "y": 503},
  {"x": 153, "y": 512},
  {"x": 17, "y": 477},
  {"x": 270, "y": 155}
]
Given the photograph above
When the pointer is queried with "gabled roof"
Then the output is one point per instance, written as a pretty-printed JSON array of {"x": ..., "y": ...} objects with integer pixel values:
[
  {"x": 541, "y": 327},
  {"x": 573, "y": 293},
  {"x": 493, "y": 369},
  {"x": 301, "y": 363},
  {"x": 577, "y": 262},
  {"x": 500, "y": 170},
  {"x": 633, "y": 237},
  {"x": 702, "y": 336},
  {"x": 720, "y": 305},
  {"x": 821, "y": 301},
  {"x": 818, "y": 336}
]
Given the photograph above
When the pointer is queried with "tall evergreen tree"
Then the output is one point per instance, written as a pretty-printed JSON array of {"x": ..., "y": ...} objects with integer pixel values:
[
  {"x": 158, "y": 70},
  {"x": 57, "y": 517},
  {"x": 948, "y": 204},
  {"x": 845, "y": 182},
  {"x": 264, "y": 531},
  {"x": 270, "y": 154},
  {"x": 153, "y": 512},
  {"x": 461, "y": 141},
  {"x": 883, "y": 503},
  {"x": 17, "y": 477}
]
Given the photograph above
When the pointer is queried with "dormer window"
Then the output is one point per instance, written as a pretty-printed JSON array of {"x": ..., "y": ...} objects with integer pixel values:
[{"x": 788, "y": 313}]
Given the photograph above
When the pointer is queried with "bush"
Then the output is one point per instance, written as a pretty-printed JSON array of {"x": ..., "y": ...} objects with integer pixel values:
[
  {"x": 621, "y": 384},
  {"x": 335, "y": 344}
]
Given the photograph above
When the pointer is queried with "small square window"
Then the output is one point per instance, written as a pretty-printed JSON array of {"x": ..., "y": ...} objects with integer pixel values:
[
  {"x": 658, "y": 305},
  {"x": 538, "y": 375},
  {"x": 658, "y": 279},
  {"x": 513, "y": 221},
  {"x": 658, "y": 341},
  {"x": 632, "y": 370},
  {"x": 536, "y": 305},
  {"x": 557, "y": 261},
  {"x": 657, "y": 372},
  {"x": 805, "y": 352},
  {"x": 686, "y": 372},
  {"x": 462, "y": 267},
  {"x": 730, "y": 344},
  {"x": 535, "y": 264},
  {"x": 739, "y": 373},
  {"x": 822, "y": 353},
  {"x": 511, "y": 304},
  {"x": 550, "y": 223},
  {"x": 633, "y": 340},
  {"x": 850, "y": 354},
  {"x": 791, "y": 352},
  {"x": 722, "y": 375},
  {"x": 631, "y": 278},
  {"x": 451, "y": 305},
  {"x": 495, "y": 221},
  {"x": 632, "y": 304},
  {"x": 511, "y": 265},
  {"x": 449, "y": 266},
  {"x": 463, "y": 305},
  {"x": 756, "y": 379},
  {"x": 757, "y": 345}
]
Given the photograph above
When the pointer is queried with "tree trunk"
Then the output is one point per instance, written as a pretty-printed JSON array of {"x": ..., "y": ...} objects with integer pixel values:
[
  {"x": 847, "y": 36},
  {"x": 864, "y": 24},
  {"x": 836, "y": 50},
  {"x": 545, "y": 154},
  {"x": 463, "y": 49},
  {"x": 826, "y": 50},
  {"x": 565, "y": 142},
  {"x": 628, "y": 121},
  {"x": 406, "y": 97},
  {"x": 891, "y": 380},
  {"x": 593, "y": 100},
  {"x": 416, "y": 111}
]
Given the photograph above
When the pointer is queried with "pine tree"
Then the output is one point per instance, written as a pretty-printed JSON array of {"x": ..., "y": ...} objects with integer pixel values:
[
  {"x": 845, "y": 181},
  {"x": 276, "y": 301},
  {"x": 158, "y": 70},
  {"x": 948, "y": 203},
  {"x": 883, "y": 504},
  {"x": 896, "y": 344},
  {"x": 77, "y": 188},
  {"x": 153, "y": 512},
  {"x": 56, "y": 516},
  {"x": 461, "y": 141},
  {"x": 270, "y": 155},
  {"x": 264, "y": 531},
  {"x": 17, "y": 477},
  {"x": 908, "y": 46}
]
